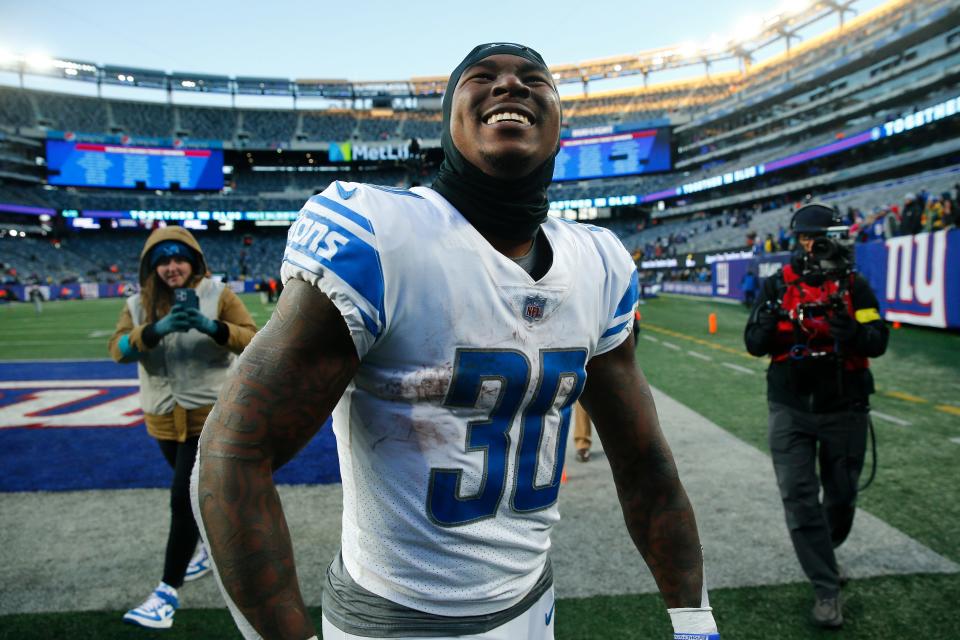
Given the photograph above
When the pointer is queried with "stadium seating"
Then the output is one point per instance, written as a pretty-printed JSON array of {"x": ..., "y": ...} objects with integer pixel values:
[
  {"x": 261, "y": 127},
  {"x": 142, "y": 118},
  {"x": 328, "y": 126},
  {"x": 16, "y": 108},
  {"x": 207, "y": 123},
  {"x": 71, "y": 114},
  {"x": 898, "y": 59},
  {"x": 377, "y": 128}
]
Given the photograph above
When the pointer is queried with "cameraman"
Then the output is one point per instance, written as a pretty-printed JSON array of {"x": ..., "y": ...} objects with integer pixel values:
[{"x": 818, "y": 321}]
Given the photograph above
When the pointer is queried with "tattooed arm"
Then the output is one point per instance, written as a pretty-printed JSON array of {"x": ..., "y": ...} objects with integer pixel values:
[
  {"x": 286, "y": 384},
  {"x": 657, "y": 512}
]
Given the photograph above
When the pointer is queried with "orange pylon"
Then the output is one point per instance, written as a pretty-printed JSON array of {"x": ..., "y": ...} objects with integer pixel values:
[
  {"x": 896, "y": 324},
  {"x": 712, "y": 323},
  {"x": 563, "y": 477}
]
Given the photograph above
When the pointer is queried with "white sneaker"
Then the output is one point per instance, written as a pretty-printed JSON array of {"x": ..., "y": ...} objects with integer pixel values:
[
  {"x": 199, "y": 564},
  {"x": 157, "y": 611}
]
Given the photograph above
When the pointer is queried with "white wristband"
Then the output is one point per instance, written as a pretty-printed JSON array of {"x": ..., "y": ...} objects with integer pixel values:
[{"x": 693, "y": 624}]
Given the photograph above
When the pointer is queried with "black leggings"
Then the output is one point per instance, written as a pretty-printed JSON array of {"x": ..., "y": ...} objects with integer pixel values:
[{"x": 183, "y": 529}]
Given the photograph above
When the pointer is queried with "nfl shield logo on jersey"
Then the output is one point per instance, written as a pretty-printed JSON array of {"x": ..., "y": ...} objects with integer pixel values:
[{"x": 533, "y": 308}]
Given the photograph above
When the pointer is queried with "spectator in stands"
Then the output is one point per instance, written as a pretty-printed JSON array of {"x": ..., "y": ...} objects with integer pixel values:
[
  {"x": 768, "y": 244},
  {"x": 933, "y": 214},
  {"x": 783, "y": 240},
  {"x": 183, "y": 351},
  {"x": 911, "y": 220},
  {"x": 949, "y": 211}
]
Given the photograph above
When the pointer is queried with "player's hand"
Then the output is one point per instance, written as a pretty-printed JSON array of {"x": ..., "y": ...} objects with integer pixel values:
[
  {"x": 201, "y": 322},
  {"x": 842, "y": 327},
  {"x": 694, "y": 623},
  {"x": 175, "y": 321}
]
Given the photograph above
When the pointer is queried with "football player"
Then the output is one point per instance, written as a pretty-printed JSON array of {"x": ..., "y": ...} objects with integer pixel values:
[{"x": 449, "y": 330}]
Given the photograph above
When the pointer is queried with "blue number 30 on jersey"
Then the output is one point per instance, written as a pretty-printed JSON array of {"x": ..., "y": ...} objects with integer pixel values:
[{"x": 561, "y": 370}]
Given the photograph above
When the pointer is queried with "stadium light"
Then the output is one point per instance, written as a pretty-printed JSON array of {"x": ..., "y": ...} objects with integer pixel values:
[
  {"x": 794, "y": 7},
  {"x": 688, "y": 50},
  {"x": 748, "y": 28},
  {"x": 7, "y": 59},
  {"x": 715, "y": 44},
  {"x": 40, "y": 62}
]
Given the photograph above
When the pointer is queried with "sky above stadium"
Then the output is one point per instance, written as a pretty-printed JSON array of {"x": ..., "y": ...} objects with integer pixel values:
[{"x": 360, "y": 40}]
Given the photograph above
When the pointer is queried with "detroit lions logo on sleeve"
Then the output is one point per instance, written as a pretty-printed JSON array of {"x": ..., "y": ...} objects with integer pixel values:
[{"x": 339, "y": 244}]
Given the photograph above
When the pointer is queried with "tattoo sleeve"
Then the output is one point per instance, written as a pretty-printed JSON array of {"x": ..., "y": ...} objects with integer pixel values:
[
  {"x": 655, "y": 506},
  {"x": 286, "y": 384}
]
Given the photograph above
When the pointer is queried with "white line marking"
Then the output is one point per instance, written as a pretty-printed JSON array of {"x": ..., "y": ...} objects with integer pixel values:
[
  {"x": 650, "y": 338},
  {"x": 737, "y": 367},
  {"x": 670, "y": 345},
  {"x": 100, "y": 333},
  {"x": 955, "y": 440},
  {"x": 889, "y": 418},
  {"x": 700, "y": 356},
  {"x": 62, "y": 384}
]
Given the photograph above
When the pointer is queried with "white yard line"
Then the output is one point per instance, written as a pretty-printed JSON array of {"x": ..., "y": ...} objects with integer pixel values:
[
  {"x": 670, "y": 345},
  {"x": 700, "y": 356},
  {"x": 737, "y": 367},
  {"x": 888, "y": 418},
  {"x": 650, "y": 338}
]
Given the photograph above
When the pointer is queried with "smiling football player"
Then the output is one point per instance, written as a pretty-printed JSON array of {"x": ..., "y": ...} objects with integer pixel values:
[{"x": 449, "y": 330}]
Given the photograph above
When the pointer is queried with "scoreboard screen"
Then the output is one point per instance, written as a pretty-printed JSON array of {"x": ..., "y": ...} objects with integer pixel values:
[
  {"x": 614, "y": 154},
  {"x": 82, "y": 164}
]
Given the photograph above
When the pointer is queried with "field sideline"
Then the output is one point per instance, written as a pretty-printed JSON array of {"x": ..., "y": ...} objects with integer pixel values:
[{"x": 917, "y": 419}]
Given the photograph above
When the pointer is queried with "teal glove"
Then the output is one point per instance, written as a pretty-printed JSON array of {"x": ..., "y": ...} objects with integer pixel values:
[
  {"x": 200, "y": 322},
  {"x": 128, "y": 352},
  {"x": 176, "y": 320}
]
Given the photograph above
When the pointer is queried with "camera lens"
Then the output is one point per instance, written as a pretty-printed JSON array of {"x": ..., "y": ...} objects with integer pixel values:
[{"x": 823, "y": 248}]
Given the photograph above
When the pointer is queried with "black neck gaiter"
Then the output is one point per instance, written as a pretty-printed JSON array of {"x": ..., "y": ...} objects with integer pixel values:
[{"x": 508, "y": 209}]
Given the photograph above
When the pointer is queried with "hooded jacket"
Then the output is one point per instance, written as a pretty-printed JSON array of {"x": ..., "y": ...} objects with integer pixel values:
[{"x": 181, "y": 375}]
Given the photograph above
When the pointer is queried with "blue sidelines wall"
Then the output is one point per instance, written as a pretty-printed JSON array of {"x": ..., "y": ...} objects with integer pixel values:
[
  {"x": 41, "y": 458},
  {"x": 916, "y": 278}
]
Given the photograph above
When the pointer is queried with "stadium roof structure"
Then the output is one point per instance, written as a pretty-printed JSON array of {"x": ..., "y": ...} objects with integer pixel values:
[{"x": 750, "y": 37}]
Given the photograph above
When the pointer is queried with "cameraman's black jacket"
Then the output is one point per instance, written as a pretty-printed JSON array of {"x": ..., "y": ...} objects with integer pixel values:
[{"x": 817, "y": 384}]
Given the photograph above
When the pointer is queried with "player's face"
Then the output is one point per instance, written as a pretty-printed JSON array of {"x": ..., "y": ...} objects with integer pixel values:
[
  {"x": 175, "y": 271},
  {"x": 505, "y": 116}
]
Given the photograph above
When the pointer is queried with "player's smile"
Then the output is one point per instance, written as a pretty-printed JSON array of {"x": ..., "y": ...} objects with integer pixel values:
[
  {"x": 505, "y": 117},
  {"x": 509, "y": 115}
]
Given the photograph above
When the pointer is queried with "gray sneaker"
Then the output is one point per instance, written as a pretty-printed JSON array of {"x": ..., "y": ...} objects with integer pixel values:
[{"x": 828, "y": 613}]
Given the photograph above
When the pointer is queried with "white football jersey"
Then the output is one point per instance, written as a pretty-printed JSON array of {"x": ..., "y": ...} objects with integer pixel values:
[{"x": 451, "y": 436}]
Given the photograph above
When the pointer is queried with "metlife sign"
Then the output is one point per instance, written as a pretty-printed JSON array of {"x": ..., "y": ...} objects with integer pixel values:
[{"x": 380, "y": 152}]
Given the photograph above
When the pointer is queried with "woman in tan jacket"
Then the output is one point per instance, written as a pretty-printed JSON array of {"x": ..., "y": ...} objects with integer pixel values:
[{"x": 184, "y": 331}]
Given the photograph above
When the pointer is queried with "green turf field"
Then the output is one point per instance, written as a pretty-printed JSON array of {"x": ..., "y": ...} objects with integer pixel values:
[{"x": 916, "y": 487}]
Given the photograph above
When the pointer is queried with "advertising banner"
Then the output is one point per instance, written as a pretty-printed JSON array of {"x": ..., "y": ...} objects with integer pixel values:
[
  {"x": 688, "y": 288},
  {"x": 916, "y": 278},
  {"x": 728, "y": 274}
]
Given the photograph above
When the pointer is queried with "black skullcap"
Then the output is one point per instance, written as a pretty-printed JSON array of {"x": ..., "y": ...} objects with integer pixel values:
[{"x": 511, "y": 209}]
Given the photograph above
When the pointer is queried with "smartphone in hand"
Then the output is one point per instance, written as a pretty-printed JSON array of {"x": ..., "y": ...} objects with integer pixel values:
[{"x": 186, "y": 298}]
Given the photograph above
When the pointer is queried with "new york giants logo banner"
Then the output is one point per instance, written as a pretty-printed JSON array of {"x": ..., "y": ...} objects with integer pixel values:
[{"x": 916, "y": 278}]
